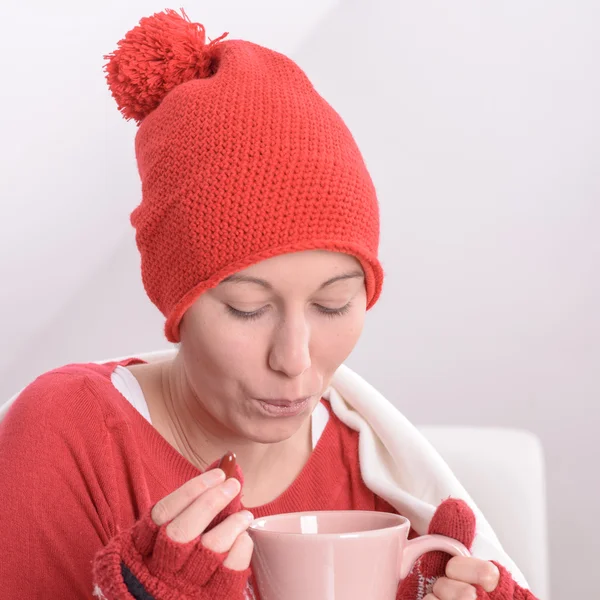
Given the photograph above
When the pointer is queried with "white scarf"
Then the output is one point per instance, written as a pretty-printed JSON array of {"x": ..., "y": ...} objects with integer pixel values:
[{"x": 399, "y": 464}]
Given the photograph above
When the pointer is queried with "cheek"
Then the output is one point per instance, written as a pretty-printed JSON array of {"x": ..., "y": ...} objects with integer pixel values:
[
  {"x": 219, "y": 348},
  {"x": 334, "y": 342}
]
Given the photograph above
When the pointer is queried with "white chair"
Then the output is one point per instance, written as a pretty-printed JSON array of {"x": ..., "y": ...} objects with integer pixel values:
[{"x": 503, "y": 470}]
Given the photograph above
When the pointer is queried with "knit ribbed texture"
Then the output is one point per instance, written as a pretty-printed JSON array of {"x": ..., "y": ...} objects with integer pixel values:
[
  {"x": 240, "y": 161},
  {"x": 166, "y": 570}
]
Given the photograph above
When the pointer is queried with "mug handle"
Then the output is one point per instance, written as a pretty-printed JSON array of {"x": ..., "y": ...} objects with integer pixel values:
[{"x": 416, "y": 547}]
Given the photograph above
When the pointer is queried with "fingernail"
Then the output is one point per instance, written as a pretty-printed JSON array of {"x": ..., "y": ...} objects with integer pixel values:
[
  {"x": 248, "y": 516},
  {"x": 213, "y": 477},
  {"x": 231, "y": 487}
]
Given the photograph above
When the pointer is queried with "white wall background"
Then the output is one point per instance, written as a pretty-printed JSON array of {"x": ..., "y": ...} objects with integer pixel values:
[{"x": 479, "y": 121}]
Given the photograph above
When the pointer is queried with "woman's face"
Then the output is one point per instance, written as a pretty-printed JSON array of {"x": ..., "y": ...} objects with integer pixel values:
[{"x": 261, "y": 348}]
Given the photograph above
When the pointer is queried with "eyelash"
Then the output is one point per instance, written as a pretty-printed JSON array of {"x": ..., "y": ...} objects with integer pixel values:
[{"x": 252, "y": 316}]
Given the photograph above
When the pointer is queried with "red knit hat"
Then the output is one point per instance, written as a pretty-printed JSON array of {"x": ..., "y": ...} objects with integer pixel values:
[{"x": 240, "y": 160}]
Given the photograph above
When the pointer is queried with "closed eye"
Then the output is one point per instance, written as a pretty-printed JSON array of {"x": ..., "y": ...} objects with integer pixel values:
[
  {"x": 333, "y": 312},
  {"x": 256, "y": 314},
  {"x": 247, "y": 316}
]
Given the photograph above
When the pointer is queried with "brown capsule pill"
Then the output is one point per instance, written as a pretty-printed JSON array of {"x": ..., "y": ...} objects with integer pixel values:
[{"x": 227, "y": 464}]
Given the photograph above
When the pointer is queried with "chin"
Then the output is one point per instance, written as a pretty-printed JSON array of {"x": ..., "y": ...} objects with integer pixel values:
[{"x": 272, "y": 431}]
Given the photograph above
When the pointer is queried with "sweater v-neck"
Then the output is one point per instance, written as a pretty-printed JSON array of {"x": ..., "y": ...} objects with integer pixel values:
[{"x": 316, "y": 479}]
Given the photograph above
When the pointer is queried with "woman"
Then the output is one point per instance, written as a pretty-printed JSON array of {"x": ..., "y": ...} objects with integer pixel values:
[{"x": 258, "y": 231}]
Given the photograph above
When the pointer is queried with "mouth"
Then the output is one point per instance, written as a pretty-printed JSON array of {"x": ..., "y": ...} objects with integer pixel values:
[
  {"x": 284, "y": 401},
  {"x": 283, "y": 407}
]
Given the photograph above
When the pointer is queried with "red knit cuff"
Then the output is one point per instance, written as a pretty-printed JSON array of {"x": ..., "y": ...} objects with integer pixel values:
[
  {"x": 507, "y": 588},
  {"x": 167, "y": 570}
]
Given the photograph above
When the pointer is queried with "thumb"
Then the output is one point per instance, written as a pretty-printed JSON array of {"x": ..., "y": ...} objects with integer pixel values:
[{"x": 453, "y": 518}]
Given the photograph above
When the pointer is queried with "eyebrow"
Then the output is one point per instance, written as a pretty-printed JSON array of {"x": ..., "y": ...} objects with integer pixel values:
[{"x": 238, "y": 278}]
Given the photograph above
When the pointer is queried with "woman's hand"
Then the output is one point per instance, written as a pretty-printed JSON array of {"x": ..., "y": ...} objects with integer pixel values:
[
  {"x": 462, "y": 574},
  {"x": 190, "y": 509}
]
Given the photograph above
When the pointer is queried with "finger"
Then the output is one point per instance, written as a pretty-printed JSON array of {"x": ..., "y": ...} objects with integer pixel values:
[
  {"x": 222, "y": 537},
  {"x": 170, "y": 506},
  {"x": 193, "y": 520},
  {"x": 448, "y": 589},
  {"x": 240, "y": 555},
  {"x": 475, "y": 571},
  {"x": 430, "y": 597}
]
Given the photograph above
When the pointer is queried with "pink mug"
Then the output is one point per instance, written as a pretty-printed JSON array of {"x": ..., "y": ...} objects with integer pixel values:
[{"x": 337, "y": 555}]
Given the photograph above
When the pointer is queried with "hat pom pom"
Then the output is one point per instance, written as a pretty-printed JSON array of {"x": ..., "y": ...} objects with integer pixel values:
[{"x": 162, "y": 52}]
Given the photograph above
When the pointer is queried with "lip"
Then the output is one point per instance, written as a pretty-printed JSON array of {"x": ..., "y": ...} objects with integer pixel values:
[
  {"x": 283, "y": 401},
  {"x": 282, "y": 407}
]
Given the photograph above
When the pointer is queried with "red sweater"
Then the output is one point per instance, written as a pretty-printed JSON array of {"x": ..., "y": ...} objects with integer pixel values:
[{"x": 80, "y": 467}]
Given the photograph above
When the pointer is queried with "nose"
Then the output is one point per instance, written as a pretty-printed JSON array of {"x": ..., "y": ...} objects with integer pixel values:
[{"x": 290, "y": 349}]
